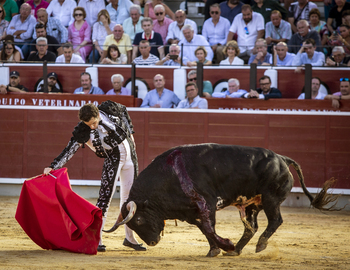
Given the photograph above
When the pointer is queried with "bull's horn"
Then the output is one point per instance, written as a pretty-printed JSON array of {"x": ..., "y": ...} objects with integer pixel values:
[{"x": 131, "y": 206}]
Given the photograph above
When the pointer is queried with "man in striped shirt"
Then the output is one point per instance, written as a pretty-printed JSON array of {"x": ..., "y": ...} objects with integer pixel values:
[{"x": 146, "y": 58}]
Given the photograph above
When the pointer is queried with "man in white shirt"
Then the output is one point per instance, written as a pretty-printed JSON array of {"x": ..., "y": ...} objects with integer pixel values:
[
  {"x": 92, "y": 8},
  {"x": 68, "y": 56},
  {"x": 215, "y": 30},
  {"x": 191, "y": 43},
  {"x": 315, "y": 93},
  {"x": 132, "y": 25},
  {"x": 62, "y": 10},
  {"x": 175, "y": 28},
  {"x": 249, "y": 26}
]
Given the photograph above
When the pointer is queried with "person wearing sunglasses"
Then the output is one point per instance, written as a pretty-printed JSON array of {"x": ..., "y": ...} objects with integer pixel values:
[
  {"x": 215, "y": 30},
  {"x": 207, "y": 86},
  {"x": 161, "y": 24},
  {"x": 249, "y": 26},
  {"x": 79, "y": 33},
  {"x": 344, "y": 93},
  {"x": 149, "y": 9}
]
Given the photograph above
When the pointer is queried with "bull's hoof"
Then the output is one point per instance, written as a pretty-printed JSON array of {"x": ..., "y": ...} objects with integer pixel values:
[
  {"x": 232, "y": 253},
  {"x": 260, "y": 247},
  {"x": 213, "y": 252}
]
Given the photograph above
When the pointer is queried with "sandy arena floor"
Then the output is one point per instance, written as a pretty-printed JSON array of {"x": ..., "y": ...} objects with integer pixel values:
[{"x": 308, "y": 239}]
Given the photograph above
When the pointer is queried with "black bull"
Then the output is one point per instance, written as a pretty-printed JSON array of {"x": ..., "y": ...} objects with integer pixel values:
[{"x": 192, "y": 182}]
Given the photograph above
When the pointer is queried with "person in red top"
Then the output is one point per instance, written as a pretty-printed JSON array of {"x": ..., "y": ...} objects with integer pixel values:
[{"x": 36, "y": 5}]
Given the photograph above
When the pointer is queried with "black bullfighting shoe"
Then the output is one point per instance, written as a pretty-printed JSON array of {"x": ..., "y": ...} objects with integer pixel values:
[
  {"x": 101, "y": 248},
  {"x": 137, "y": 247}
]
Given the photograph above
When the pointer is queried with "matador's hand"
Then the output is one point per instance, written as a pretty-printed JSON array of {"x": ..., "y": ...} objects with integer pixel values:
[{"x": 47, "y": 170}]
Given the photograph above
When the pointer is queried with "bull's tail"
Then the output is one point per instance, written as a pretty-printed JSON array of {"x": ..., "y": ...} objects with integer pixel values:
[{"x": 322, "y": 198}]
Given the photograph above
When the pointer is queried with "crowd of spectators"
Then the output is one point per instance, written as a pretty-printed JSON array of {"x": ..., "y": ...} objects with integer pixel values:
[
  {"x": 263, "y": 32},
  {"x": 91, "y": 26}
]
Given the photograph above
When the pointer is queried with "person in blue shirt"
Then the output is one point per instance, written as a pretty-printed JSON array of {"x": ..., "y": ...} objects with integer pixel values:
[
  {"x": 193, "y": 101},
  {"x": 260, "y": 54},
  {"x": 281, "y": 56},
  {"x": 87, "y": 87},
  {"x": 308, "y": 55},
  {"x": 233, "y": 90},
  {"x": 160, "y": 97}
]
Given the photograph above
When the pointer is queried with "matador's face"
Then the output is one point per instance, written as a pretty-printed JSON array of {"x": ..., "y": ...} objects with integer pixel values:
[{"x": 93, "y": 123}]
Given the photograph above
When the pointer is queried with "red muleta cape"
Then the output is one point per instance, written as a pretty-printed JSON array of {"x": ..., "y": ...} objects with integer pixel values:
[{"x": 55, "y": 217}]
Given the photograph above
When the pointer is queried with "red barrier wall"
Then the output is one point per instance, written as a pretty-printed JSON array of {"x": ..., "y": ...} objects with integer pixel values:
[{"x": 31, "y": 138}]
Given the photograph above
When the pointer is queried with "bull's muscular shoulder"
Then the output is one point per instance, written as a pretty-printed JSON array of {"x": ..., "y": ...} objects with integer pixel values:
[{"x": 112, "y": 108}]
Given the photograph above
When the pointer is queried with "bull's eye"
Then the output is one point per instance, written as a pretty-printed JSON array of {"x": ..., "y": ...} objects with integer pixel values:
[{"x": 139, "y": 220}]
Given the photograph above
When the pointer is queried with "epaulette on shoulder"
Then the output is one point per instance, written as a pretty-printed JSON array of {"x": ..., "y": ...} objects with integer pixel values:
[{"x": 111, "y": 107}]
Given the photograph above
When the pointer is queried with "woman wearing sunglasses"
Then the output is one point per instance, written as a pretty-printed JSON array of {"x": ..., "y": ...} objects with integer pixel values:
[
  {"x": 3, "y": 23},
  {"x": 79, "y": 33}
]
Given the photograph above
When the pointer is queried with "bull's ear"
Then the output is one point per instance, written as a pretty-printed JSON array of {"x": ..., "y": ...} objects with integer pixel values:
[{"x": 143, "y": 205}]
